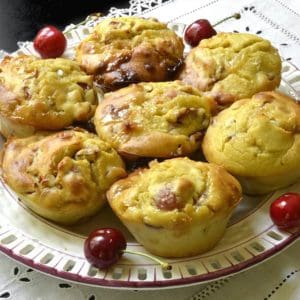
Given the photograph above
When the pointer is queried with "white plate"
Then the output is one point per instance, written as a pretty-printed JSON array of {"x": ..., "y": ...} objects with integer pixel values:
[{"x": 250, "y": 237}]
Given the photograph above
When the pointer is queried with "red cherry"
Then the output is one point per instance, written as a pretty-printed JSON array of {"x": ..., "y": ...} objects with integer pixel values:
[
  {"x": 202, "y": 29},
  {"x": 285, "y": 210},
  {"x": 197, "y": 31},
  {"x": 104, "y": 247},
  {"x": 50, "y": 42}
]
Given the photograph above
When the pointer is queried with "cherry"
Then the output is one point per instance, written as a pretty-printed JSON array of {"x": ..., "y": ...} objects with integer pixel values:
[
  {"x": 285, "y": 211},
  {"x": 202, "y": 29},
  {"x": 197, "y": 31},
  {"x": 50, "y": 42},
  {"x": 105, "y": 246}
]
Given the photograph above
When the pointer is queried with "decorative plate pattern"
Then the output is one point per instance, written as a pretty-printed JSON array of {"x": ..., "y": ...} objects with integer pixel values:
[{"x": 250, "y": 238}]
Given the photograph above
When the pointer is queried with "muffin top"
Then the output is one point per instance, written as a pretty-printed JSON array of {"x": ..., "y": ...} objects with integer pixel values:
[
  {"x": 162, "y": 119},
  {"x": 174, "y": 193},
  {"x": 48, "y": 94},
  {"x": 65, "y": 171},
  {"x": 127, "y": 50},
  {"x": 256, "y": 137},
  {"x": 233, "y": 66}
]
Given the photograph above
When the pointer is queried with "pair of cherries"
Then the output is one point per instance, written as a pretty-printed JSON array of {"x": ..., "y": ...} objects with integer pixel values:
[
  {"x": 50, "y": 42},
  {"x": 104, "y": 247}
]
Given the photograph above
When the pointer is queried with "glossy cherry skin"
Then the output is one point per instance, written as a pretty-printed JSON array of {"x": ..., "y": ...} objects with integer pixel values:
[
  {"x": 50, "y": 42},
  {"x": 197, "y": 31},
  {"x": 104, "y": 247},
  {"x": 285, "y": 211}
]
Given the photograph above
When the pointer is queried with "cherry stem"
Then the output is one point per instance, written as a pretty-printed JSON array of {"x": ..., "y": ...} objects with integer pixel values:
[
  {"x": 163, "y": 264},
  {"x": 235, "y": 16}
]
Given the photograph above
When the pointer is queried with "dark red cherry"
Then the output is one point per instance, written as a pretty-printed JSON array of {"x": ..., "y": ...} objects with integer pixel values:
[
  {"x": 50, "y": 42},
  {"x": 197, "y": 31},
  {"x": 285, "y": 211},
  {"x": 202, "y": 29},
  {"x": 104, "y": 247}
]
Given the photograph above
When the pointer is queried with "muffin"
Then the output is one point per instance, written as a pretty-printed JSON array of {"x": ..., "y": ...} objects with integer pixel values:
[
  {"x": 232, "y": 66},
  {"x": 127, "y": 50},
  {"x": 176, "y": 208},
  {"x": 258, "y": 141},
  {"x": 63, "y": 176},
  {"x": 43, "y": 94},
  {"x": 162, "y": 119}
]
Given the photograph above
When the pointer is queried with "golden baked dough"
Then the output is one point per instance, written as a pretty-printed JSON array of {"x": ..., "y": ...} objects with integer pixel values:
[
  {"x": 62, "y": 177},
  {"x": 162, "y": 119},
  {"x": 127, "y": 50},
  {"x": 43, "y": 94},
  {"x": 176, "y": 208},
  {"x": 258, "y": 141},
  {"x": 233, "y": 66}
]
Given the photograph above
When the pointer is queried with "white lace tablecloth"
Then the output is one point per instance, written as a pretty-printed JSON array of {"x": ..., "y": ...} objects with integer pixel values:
[{"x": 279, "y": 277}]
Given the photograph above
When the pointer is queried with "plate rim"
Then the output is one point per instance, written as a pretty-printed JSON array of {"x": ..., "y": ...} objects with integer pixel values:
[{"x": 151, "y": 285}]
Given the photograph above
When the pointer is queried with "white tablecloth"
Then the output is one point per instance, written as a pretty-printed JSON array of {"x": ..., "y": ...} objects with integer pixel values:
[{"x": 277, "y": 278}]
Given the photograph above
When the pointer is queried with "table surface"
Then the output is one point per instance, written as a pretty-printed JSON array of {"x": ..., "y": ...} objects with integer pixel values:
[{"x": 277, "y": 278}]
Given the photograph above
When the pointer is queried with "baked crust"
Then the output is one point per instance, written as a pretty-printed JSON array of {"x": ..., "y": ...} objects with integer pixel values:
[
  {"x": 178, "y": 207},
  {"x": 43, "y": 94},
  {"x": 258, "y": 141},
  {"x": 163, "y": 119},
  {"x": 63, "y": 176},
  {"x": 233, "y": 66},
  {"x": 127, "y": 50}
]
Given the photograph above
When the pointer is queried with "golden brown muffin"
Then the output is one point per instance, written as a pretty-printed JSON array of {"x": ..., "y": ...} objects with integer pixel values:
[
  {"x": 62, "y": 177},
  {"x": 176, "y": 208},
  {"x": 43, "y": 94},
  {"x": 127, "y": 50},
  {"x": 233, "y": 66},
  {"x": 258, "y": 141},
  {"x": 162, "y": 119}
]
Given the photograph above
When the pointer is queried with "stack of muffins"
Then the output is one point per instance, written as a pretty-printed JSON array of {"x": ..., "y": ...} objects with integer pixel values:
[{"x": 157, "y": 107}]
